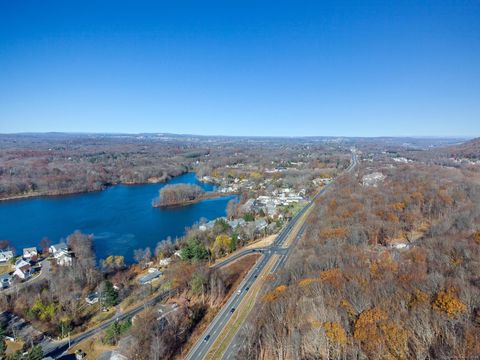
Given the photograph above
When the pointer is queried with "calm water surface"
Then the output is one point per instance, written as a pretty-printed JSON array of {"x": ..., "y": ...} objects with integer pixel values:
[{"x": 121, "y": 218}]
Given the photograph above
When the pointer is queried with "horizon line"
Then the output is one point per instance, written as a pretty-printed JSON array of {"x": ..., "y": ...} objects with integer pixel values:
[{"x": 242, "y": 136}]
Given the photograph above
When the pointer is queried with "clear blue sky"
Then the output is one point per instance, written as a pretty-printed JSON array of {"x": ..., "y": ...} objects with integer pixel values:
[{"x": 241, "y": 67}]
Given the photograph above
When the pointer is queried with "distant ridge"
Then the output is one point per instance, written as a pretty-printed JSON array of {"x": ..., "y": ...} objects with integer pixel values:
[{"x": 469, "y": 149}]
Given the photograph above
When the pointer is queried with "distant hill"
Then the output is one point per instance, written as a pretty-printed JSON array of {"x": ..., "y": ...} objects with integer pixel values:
[{"x": 469, "y": 149}]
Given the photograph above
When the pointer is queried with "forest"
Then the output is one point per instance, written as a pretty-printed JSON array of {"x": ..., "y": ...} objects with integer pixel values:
[
  {"x": 181, "y": 194},
  {"x": 389, "y": 271}
]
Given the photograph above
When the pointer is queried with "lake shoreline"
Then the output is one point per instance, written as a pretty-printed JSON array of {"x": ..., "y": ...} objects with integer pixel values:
[
  {"x": 206, "y": 196},
  {"x": 121, "y": 218},
  {"x": 34, "y": 195}
]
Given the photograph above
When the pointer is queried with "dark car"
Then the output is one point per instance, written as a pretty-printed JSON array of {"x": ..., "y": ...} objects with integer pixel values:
[
  {"x": 232, "y": 310},
  {"x": 206, "y": 338},
  {"x": 247, "y": 288}
]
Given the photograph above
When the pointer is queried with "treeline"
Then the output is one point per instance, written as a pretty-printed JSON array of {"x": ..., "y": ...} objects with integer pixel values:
[
  {"x": 347, "y": 293},
  {"x": 56, "y": 166},
  {"x": 179, "y": 194}
]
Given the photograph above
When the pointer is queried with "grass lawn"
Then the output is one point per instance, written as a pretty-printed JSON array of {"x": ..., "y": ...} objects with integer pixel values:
[
  {"x": 92, "y": 347},
  {"x": 13, "y": 346},
  {"x": 5, "y": 268}
]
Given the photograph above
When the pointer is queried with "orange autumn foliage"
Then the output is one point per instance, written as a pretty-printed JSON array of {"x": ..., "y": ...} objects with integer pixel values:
[
  {"x": 476, "y": 237},
  {"x": 308, "y": 281},
  {"x": 274, "y": 294},
  {"x": 417, "y": 197},
  {"x": 445, "y": 197},
  {"x": 448, "y": 302},
  {"x": 333, "y": 233},
  {"x": 335, "y": 332},
  {"x": 419, "y": 297},
  {"x": 399, "y": 206},
  {"x": 332, "y": 276},
  {"x": 315, "y": 323},
  {"x": 375, "y": 332}
]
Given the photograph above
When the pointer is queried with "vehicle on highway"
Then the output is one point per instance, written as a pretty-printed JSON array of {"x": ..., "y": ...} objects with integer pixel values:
[
  {"x": 232, "y": 310},
  {"x": 239, "y": 291},
  {"x": 206, "y": 338},
  {"x": 247, "y": 288}
]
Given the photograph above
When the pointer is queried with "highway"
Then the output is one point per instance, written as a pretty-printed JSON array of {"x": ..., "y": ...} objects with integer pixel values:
[{"x": 207, "y": 339}]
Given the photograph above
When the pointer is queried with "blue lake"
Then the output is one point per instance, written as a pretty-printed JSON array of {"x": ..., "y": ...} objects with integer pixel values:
[{"x": 121, "y": 218}]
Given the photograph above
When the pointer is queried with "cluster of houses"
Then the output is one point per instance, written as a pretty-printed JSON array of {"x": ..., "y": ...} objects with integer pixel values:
[
  {"x": 269, "y": 204},
  {"x": 373, "y": 179},
  {"x": 260, "y": 224},
  {"x": 27, "y": 264}
]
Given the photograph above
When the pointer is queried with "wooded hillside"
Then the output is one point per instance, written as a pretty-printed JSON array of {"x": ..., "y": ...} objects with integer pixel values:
[{"x": 348, "y": 293}]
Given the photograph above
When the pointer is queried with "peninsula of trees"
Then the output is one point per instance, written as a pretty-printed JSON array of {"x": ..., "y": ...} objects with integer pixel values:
[{"x": 181, "y": 194}]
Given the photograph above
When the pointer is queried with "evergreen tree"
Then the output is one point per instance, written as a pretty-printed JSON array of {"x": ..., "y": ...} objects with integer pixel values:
[
  {"x": 110, "y": 295},
  {"x": 35, "y": 353}
]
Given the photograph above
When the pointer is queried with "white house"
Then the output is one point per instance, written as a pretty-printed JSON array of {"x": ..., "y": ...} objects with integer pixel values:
[
  {"x": 57, "y": 249},
  {"x": 5, "y": 256},
  {"x": 30, "y": 253},
  {"x": 164, "y": 262},
  {"x": 23, "y": 269},
  {"x": 65, "y": 258}
]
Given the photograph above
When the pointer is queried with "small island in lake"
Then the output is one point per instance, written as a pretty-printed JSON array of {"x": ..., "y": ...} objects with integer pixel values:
[{"x": 182, "y": 194}]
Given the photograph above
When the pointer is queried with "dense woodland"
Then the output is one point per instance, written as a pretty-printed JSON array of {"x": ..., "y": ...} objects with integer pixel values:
[
  {"x": 348, "y": 293},
  {"x": 179, "y": 194},
  {"x": 55, "y": 164}
]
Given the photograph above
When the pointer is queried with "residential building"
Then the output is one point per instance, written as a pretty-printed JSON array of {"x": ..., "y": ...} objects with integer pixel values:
[
  {"x": 164, "y": 262},
  {"x": 23, "y": 269},
  {"x": 5, "y": 256},
  {"x": 57, "y": 249},
  {"x": 92, "y": 298},
  {"x": 65, "y": 259},
  {"x": 30, "y": 253},
  {"x": 147, "y": 279}
]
